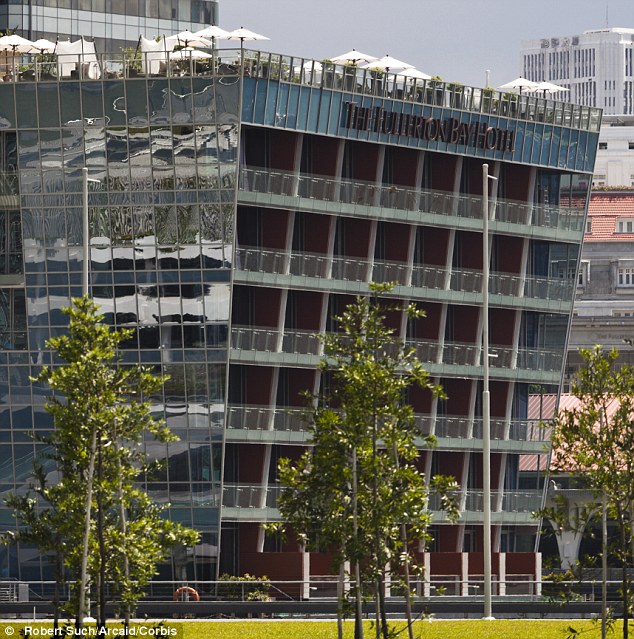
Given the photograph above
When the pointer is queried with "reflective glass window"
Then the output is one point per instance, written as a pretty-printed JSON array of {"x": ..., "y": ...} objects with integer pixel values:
[
  {"x": 48, "y": 104},
  {"x": 26, "y": 102}
]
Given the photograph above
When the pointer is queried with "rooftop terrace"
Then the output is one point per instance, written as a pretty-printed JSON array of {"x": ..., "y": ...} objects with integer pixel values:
[{"x": 350, "y": 79}]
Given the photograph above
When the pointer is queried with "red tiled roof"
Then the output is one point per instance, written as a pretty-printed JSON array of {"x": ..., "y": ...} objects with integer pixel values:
[
  {"x": 605, "y": 209},
  {"x": 543, "y": 407}
]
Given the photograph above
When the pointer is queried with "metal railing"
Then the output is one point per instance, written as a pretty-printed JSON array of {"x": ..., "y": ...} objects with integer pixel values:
[
  {"x": 303, "y": 342},
  {"x": 357, "y": 270},
  {"x": 526, "y": 501},
  {"x": 251, "y": 496},
  {"x": 402, "y": 198},
  {"x": 294, "y": 419},
  {"x": 319, "y": 587}
]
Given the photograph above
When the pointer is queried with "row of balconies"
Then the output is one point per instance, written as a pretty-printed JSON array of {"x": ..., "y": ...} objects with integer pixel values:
[
  {"x": 348, "y": 269},
  {"x": 266, "y": 497},
  {"x": 302, "y": 342},
  {"x": 289, "y": 419},
  {"x": 389, "y": 196}
]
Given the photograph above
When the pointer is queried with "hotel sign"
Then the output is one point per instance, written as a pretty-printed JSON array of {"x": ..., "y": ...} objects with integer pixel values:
[{"x": 478, "y": 135}]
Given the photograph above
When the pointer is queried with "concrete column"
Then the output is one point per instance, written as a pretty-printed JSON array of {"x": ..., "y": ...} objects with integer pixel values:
[
  {"x": 464, "y": 588},
  {"x": 305, "y": 575},
  {"x": 502, "y": 574},
  {"x": 426, "y": 575}
]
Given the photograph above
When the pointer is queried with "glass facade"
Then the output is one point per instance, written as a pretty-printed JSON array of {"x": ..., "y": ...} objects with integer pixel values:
[{"x": 164, "y": 155}]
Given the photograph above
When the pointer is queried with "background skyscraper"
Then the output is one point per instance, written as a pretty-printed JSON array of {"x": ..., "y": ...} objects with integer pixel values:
[{"x": 597, "y": 67}]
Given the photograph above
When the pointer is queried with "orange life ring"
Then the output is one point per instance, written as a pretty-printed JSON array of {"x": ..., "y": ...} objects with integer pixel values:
[{"x": 189, "y": 593}]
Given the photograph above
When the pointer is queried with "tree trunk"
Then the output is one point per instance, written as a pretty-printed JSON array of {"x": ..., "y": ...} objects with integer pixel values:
[
  {"x": 101, "y": 593},
  {"x": 408, "y": 591},
  {"x": 624, "y": 581},
  {"x": 340, "y": 595},
  {"x": 382, "y": 611},
  {"x": 59, "y": 580},
  {"x": 377, "y": 609},
  {"x": 358, "y": 617},
  {"x": 124, "y": 531},
  {"x": 83, "y": 576}
]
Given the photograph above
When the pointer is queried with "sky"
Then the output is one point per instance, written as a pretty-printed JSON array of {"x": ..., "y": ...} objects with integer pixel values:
[{"x": 455, "y": 39}]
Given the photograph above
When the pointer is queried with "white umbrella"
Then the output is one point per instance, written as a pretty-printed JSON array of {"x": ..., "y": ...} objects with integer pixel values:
[
  {"x": 547, "y": 87},
  {"x": 387, "y": 63},
  {"x": 414, "y": 74},
  {"x": 243, "y": 34},
  {"x": 189, "y": 39},
  {"x": 42, "y": 46},
  {"x": 519, "y": 83},
  {"x": 211, "y": 32},
  {"x": 15, "y": 43},
  {"x": 353, "y": 57},
  {"x": 188, "y": 53}
]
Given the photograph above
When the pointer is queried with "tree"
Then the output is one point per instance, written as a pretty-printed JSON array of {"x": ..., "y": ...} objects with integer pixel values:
[
  {"x": 358, "y": 491},
  {"x": 595, "y": 441},
  {"x": 101, "y": 414}
]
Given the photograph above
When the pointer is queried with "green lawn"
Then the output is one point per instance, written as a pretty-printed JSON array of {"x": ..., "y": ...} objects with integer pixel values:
[{"x": 435, "y": 629}]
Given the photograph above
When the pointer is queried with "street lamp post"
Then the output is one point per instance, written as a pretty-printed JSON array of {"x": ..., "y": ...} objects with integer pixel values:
[
  {"x": 83, "y": 577},
  {"x": 86, "y": 230},
  {"x": 486, "y": 396},
  {"x": 85, "y": 223}
]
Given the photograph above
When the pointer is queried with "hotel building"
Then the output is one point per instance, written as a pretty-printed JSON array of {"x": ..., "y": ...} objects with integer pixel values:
[{"x": 241, "y": 205}]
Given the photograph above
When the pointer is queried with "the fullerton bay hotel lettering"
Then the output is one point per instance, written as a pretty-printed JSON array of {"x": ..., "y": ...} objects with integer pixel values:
[{"x": 476, "y": 134}]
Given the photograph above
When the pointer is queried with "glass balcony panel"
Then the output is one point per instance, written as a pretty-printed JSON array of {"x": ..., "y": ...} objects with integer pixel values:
[
  {"x": 385, "y": 272},
  {"x": 349, "y": 270},
  {"x": 452, "y": 427},
  {"x": 512, "y": 501},
  {"x": 466, "y": 281},
  {"x": 502, "y": 284},
  {"x": 539, "y": 359},
  {"x": 307, "y": 265},
  {"x": 460, "y": 354},
  {"x": 249, "y": 496},
  {"x": 425, "y": 351},
  {"x": 301, "y": 342},
  {"x": 428, "y": 277},
  {"x": 242, "y": 417},
  {"x": 501, "y": 357}
]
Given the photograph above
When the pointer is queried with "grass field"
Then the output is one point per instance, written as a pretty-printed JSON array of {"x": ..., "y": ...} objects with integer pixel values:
[{"x": 256, "y": 629}]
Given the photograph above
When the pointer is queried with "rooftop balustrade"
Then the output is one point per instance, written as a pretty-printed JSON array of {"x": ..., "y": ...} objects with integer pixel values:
[{"x": 297, "y": 70}]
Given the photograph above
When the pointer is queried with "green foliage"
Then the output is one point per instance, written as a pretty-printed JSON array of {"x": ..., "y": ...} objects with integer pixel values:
[
  {"x": 245, "y": 588},
  {"x": 595, "y": 442},
  {"x": 98, "y": 400},
  {"x": 358, "y": 491}
]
